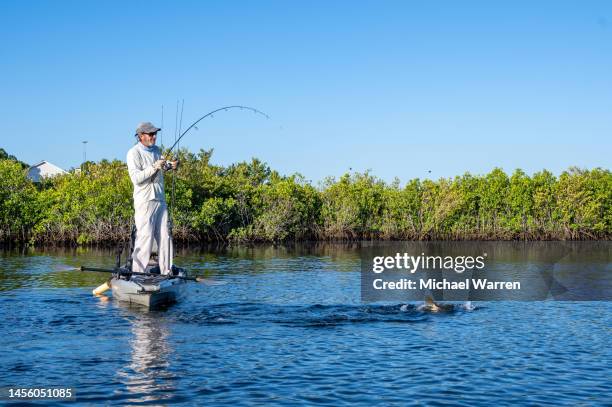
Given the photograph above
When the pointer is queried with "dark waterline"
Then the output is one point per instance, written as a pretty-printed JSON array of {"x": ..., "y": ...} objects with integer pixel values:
[{"x": 288, "y": 328}]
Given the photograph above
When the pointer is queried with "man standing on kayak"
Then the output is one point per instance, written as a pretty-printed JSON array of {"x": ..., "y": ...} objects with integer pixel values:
[{"x": 146, "y": 167}]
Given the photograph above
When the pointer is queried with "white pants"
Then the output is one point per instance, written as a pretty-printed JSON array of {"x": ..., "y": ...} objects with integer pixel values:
[{"x": 151, "y": 220}]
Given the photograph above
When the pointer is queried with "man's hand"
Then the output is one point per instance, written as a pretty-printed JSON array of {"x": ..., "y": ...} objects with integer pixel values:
[
  {"x": 174, "y": 164},
  {"x": 159, "y": 164}
]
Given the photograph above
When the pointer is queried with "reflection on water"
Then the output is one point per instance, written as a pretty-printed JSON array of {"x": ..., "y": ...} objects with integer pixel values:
[{"x": 147, "y": 377}]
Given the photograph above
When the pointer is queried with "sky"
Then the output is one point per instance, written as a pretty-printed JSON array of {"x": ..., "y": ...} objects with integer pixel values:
[{"x": 407, "y": 89}]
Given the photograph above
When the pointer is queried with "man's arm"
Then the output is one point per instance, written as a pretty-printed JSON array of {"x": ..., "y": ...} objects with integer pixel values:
[{"x": 140, "y": 175}]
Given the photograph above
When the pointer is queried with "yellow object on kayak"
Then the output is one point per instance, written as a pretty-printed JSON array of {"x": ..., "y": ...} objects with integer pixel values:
[{"x": 103, "y": 288}]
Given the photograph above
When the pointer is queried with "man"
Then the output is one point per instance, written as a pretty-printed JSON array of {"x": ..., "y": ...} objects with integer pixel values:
[{"x": 146, "y": 166}]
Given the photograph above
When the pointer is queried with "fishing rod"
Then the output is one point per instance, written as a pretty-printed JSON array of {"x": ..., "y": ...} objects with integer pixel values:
[
  {"x": 225, "y": 108},
  {"x": 124, "y": 272},
  {"x": 178, "y": 123},
  {"x": 177, "y": 130},
  {"x": 178, "y": 126}
]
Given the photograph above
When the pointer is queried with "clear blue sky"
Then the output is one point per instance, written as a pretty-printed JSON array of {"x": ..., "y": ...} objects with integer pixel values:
[{"x": 398, "y": 87}]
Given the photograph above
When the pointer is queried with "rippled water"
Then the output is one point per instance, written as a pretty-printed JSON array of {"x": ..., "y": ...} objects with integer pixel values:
[{"x": 288, "y": 328}]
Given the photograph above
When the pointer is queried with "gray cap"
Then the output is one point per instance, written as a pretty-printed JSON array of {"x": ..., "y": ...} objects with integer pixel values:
[{"x": 146, "y": 127}]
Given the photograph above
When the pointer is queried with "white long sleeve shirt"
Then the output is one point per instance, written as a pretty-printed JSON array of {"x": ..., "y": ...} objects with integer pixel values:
[{"x": 148, "y": 182}]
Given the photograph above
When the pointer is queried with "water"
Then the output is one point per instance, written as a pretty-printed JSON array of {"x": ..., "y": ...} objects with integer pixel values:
[{"x": 288, "y": 328}]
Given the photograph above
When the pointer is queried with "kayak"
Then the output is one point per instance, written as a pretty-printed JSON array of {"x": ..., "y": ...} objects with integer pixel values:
[
  {"x": 150, "y": 291},
  {"x": 149, "y": 288}
]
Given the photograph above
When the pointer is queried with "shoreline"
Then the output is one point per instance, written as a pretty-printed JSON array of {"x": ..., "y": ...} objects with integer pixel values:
[{"x": 190, "y": 245}]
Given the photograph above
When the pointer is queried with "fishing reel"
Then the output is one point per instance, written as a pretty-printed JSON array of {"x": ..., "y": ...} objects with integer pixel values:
[{"x": 167, "y": 166}]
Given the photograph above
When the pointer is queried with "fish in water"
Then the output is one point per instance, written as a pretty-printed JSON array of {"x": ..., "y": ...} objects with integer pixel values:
[{"x": 431, "y": 306}]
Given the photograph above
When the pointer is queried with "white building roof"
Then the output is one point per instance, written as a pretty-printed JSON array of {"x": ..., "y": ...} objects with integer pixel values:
[{"x": 44, "y": 169}]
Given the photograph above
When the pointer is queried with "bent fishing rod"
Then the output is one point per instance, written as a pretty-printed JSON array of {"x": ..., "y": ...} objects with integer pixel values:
[
  {"x": 225, "y": 108},
  {"x": 193, "y": 125}
]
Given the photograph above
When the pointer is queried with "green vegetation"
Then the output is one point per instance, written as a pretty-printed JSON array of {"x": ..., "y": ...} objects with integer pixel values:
[
  {"x": 249, "y": 202},
  {"x": 6, "y": 156}
]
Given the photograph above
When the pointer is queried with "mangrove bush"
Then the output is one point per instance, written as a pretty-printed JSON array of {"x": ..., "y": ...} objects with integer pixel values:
[{"x": 250, "y": 202}]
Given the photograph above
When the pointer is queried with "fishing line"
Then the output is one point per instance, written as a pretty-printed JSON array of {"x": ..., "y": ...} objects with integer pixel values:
[
  {"x": 176, "y": 121},
  {"x": 162, "y": 127},
  {"x": 210, "y": 114},
  {"x": 175, "y": 171}
]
